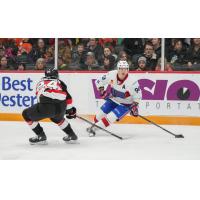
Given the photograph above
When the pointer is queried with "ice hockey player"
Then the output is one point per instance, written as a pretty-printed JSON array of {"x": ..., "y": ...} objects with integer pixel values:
[
  {"x": 54, "y": 101},
  {"x": 123, "y": 98}
]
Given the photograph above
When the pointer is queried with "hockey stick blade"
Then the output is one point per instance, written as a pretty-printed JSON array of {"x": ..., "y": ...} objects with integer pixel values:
[
  {"x": 89, "y": 122},
  {"x": 151, "y": 122},
  {"x": 179, "y": 136}
]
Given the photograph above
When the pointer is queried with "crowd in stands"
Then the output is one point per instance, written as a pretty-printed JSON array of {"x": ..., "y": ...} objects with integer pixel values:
[
  {"x": 26, "y": 53},
  {"x": 142, "y": 54}
]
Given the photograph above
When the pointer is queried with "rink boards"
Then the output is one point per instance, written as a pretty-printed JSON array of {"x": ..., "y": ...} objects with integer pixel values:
[{"x": 167, "y": 98}]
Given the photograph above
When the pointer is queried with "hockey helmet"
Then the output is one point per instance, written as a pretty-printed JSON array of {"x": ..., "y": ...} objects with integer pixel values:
[
  {"x": 122, "y": 64},
  {"x": 51, "y": 72}
]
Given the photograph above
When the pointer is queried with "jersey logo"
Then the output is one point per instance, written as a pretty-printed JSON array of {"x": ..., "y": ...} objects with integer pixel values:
[
  {"x": 123, "y": 87},
  {"x": 137, "y": 90},
  {"x": 104, "y": 77}
]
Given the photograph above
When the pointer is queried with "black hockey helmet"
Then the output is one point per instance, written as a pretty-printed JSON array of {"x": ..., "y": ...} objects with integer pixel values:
[{"x": 51, "y": 72}]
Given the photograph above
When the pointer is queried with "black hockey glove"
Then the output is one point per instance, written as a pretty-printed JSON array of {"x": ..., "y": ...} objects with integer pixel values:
[{"x": 71, "y": 113}]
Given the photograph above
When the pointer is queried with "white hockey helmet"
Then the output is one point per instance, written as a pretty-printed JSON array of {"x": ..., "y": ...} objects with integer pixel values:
[{"x": 122, "y": 64}]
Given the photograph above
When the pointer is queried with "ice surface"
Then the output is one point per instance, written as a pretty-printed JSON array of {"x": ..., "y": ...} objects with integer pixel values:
[{"x": 144, "y": 142}]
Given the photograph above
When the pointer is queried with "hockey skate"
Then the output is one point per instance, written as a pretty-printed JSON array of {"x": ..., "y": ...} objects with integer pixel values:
[
  {"x": 40, "y": 139},
  {"x": 71, "y": 136},
  {"x": 91, "y": 132}
]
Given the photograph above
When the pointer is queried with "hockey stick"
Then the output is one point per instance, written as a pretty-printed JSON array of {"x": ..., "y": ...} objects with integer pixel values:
[
  {"x": 89, "y": 122},
  {"x": 176, "y": 136}
]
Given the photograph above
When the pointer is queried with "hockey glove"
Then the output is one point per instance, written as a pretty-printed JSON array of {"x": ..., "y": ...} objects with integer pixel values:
[
  {"x": 134, "y": 110},
  {"x": 71, "y": 113},
  {"x": 102, "y": 92}
]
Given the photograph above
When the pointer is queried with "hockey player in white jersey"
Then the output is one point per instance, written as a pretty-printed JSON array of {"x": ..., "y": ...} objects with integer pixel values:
[{"x": 123, "y": 98}]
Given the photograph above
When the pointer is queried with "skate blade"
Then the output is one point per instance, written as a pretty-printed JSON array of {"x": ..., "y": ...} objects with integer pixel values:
[
  {"x": 91, "y": 135},
  {"x": 72, "y": 142},
  {"x": 39, "y": 143}
]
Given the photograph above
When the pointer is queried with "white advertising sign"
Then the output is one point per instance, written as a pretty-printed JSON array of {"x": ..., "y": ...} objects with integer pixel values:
[{"x": 162, "y": 94}]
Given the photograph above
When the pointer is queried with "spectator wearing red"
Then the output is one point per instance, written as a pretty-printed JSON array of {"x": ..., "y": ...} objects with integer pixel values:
[
  {"x": 108, "y": 42},
  {"x": 24, "y": 45}
]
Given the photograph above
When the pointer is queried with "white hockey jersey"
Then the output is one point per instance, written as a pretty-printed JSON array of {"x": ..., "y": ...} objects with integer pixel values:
[
  {"x": 123, "y": 92},
  {"x": 50, "y": 88}
]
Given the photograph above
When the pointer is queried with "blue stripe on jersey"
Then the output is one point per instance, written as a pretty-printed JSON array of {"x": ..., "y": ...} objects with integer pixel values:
[{"x": 116, "y": 93}]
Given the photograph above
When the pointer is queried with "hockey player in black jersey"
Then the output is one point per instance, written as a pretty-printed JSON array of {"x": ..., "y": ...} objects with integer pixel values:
[{"x": 54, "y": 101}]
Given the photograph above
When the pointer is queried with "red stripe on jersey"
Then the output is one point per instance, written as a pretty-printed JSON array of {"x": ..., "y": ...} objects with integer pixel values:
[
  {"x": 105, "y": 122},
  {"x": 56, "y": 91},
  {"x": 69, "y": 101},
  {"x": 119, "y": 81}
]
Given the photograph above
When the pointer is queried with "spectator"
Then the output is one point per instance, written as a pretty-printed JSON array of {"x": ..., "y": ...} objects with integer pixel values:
[
  {"x": 2, "y": 52},
  {"x": 133, "y": 46},
  {"x": 64, "y": 50},
  {"x": 123, "y": 56},
  {"x": 61, "y": 64},
  {"x": 23, "y": 57},
  {"x": 108, "y": 53},
  {"x": 90, "y": 63},
  {"x": 157, "y": 46},
  {"x": 79, "y": 55},
  {"x": 177, "y": 55},
  {"x": 96, "y": 49},
  {"x": 40, "y": 64},
  {"x": 21, "y": 67},
  {"x": 4, "y": 64},
  {"x": 193, "y": 54},
  {"x": 151, "y": 57},
  {"x": 24, "y": 45},
  {"x": 109, "y": 63},
  {"x": 49, "y": 55},
  {"x": 39, "y": 51},
  {"x": 142, "y": 64},
  {"x": 107, "y": 42},
  {"x": 167, "y": 66}
]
